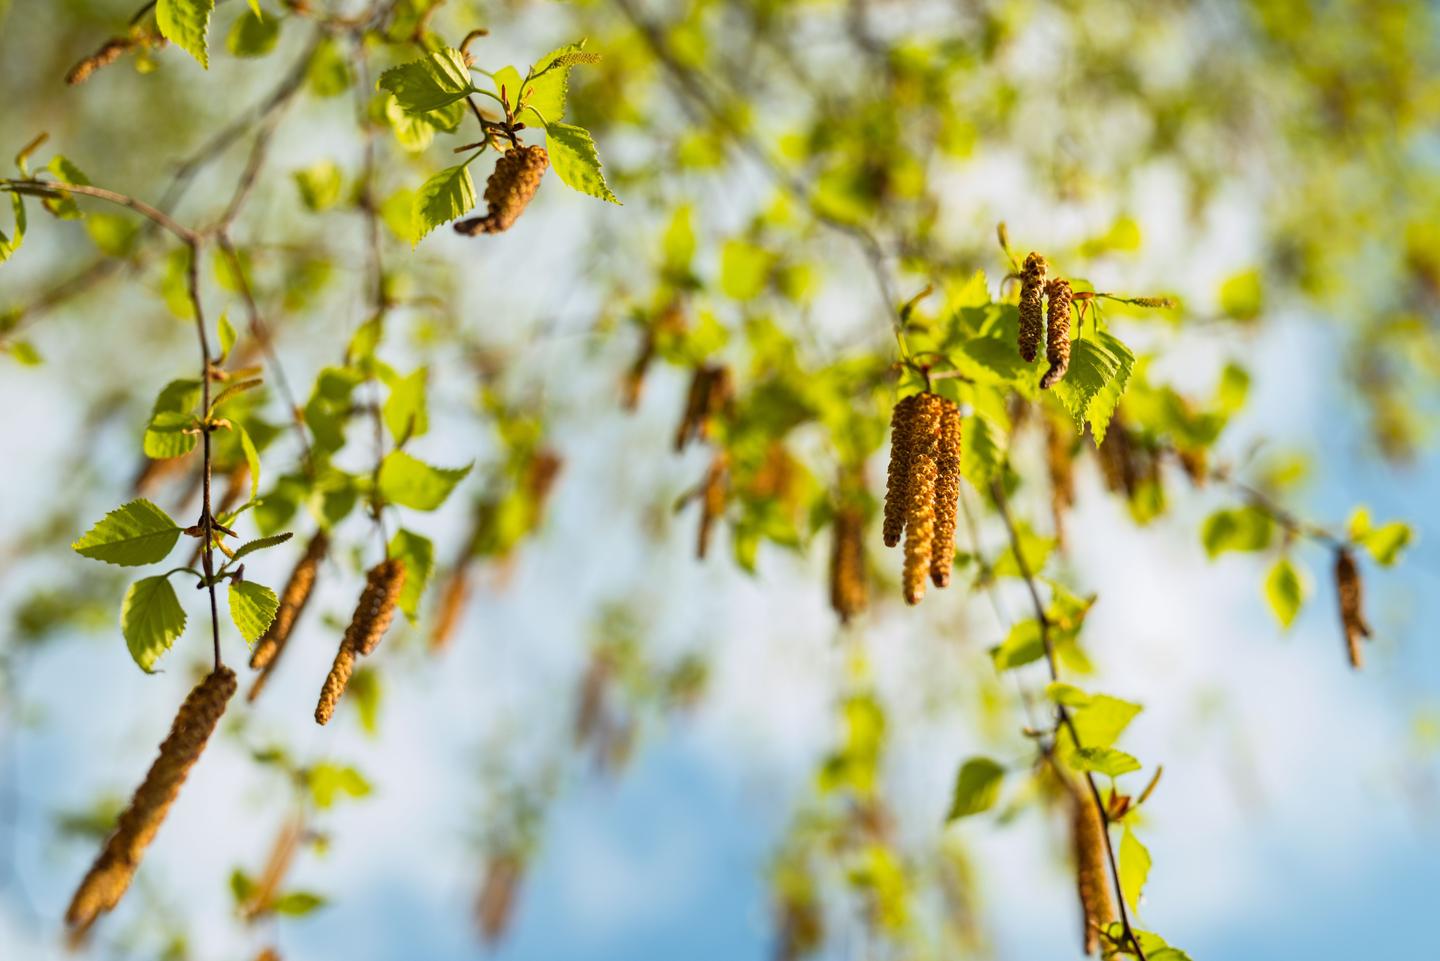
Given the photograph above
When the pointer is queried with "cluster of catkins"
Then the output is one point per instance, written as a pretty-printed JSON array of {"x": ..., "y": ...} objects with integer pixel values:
[
  {"x": 922, "y": 491},
  {"x": 110, "y": 875},
  {"x": 508, "y": 191},
  {"x": 368, "y": 625},
  {"x": 1045, "y": 307}
]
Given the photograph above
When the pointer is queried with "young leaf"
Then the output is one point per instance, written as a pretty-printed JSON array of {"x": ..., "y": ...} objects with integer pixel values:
[
  {"x": 412, "y": 483},
  {"x": 151, "y": 618},
  {"x": 131, "y": 535},
  {"x": 173, "y": 412},
  {"x": 417, "y": 553},
  {"x": 185, "y": 23},
  {"x": 404, "y": 409},
  {"x": 1243, "y": 529},
  {"x": 576, "y": 161},
  {"x": 252, "y": 34},
  {"x": 434, "y": 81},
  {"x": 1022, "y": 646},
  {"x": 252, "y": 459},
  {"x": 982, "y": 454},
  {"x": 327, "y": 781},
  {"x": 977, "y": 787},
  {"x": 1100, "y": 367},
  {"x": 1284, "y": 592},
  {"x": 544, "y": 97},
  {"x": 1102, "y": 718},
  {"x": 297, "y": 904},
  {"x": 444, "y": 197},
  {"x": 1104, "y": 760},
  {"x": 1134, "y": 868},
  {"x": 8, "y": 246},
  {"x": 1386, "y": 541},
  {"x": 227, "y": 336},
  {"x": 319, "y": 185},
  {"x": 252, "y": 608}
]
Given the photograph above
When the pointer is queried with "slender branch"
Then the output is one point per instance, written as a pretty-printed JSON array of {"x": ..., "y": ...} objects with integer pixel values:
[
  {"x": 207, "y": 521},
  {"x": 48, "y": 188},
  {"x": 997, "y": 493}
]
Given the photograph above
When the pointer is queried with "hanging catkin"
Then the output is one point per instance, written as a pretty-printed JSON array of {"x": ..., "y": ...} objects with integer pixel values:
[
  {"x": 1088, "y": 835},
  {"x": 112, "y": 871},
  {"x": 266, "y": 891},
  {"x": 1059, "y": 464},
  {"x": 848, "y": 595},
  {"x": 292, "y": 602},
  {"x": 496, "y": 902},
  {"x": 920, "y": 497},
  {"x": 376, "y": 608},
  {"x": 1352, "y": 617},
  {"x": 1032, "y": 309},
  {"x": 947, "y": 493},
  {"x": 696, "y": 403},
  {"x": 1057, "y": 334},
  {"x": 712, "y": 501},
  {"x": 335, "y": 683},
  {"x": 897, "y": 483},
  {"x": 508, "y": 191}
]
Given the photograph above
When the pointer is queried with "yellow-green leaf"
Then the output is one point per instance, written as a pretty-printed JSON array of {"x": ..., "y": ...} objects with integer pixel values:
[
  {"x": 185, "y": 23},
  {"x": 576, "y": 161},
  {"x": 151, "y": 618}
]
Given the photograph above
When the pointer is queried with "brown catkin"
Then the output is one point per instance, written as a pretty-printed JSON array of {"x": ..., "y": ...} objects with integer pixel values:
[
  {"x": 1351, "y": 593},
  {"x": 496, "y": 902},
  {"x": 103, "y": 57},
  {"x": 112, "y": 871},
  {"x": 335, "y": 683},
  {"x": 1057, "y": 334},
  {"x": 1032, "y": 309},
  {"x": 292, "y": 602},
  {"x": 1059, "y": 464},
  {"x": 1092, "y": 883},
  {"x": 508, "y": 191},
  {"x": 947, "y": 493},
  {"x": 376, "y": 608},
  {"x": 897, "y": 481},
  {"x": 848, "y": 594},
  {"x": 268, "y": 954},
  {"x": 697, "y": 401},
  {"x": 920, "y": 498},
  {"x": 712, "y": 502},
  {"x": 267, "y": 888}
]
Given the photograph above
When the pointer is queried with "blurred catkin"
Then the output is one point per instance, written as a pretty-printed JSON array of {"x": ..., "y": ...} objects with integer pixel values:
[
  {"x": 113, "y": 870},
  {"x": 920, "y": 498},
  {"x": 1060, "y": 466},
  {"x": 709, "y": 395},
  {"x": 376, "y": 608},
  {"x": 496, "y": 902},
  {"x": 897, "y": 483},
  {"x": 1352, "y": 616},
  {"x": 1057, "y": 334},
  {"x": 947, "y": 493},
  {"x": 292, "y": 602},
  {"x": 848, "y": 594},
  {"x": 508, "y": 191},
  {"x": 1092, "y": 881},
  {"x": 712, "y": 501},
  {"x": 1032, "y": 308}
]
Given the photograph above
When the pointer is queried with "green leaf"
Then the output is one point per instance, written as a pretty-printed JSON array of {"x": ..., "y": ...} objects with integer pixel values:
[
  {"x": 252, "y": 34},
  {"x": 982, "y": 454},
  {"x": 1387, "y": 541},
  {"x": 977, "y": 787},
  {"x": 151, "y": 618},
  {"x": 444, "y": 197},
  {"x": 744, "y": 269},
  {"x": 319, "y": 185},
  {"x": 328, "y": 781},
  {"x": 1242, "y": 295},
  {"x": 1134, "y": 868},
  {"x": 409, "y": 482},
  {"x": 417, "y": 553},
  {"x": 112, "y": 234},
  {"x": 398, "y": 213},
  {"x": 1241, "y": 529},
  {"x": 252, "y": 608},
  {"x": 329, "y": 74},
  {"x": 259, "y": 544},
  {"x": 544, "y": 97},
  {"x": 63, "y": 206},
  {"x": 576, "y": 161},
  {"x": 131, "y": 535},
  {"x": 434, "y": 81},
  {"x": 227, "y": 336},
  {"x": 242, "y": 886},
  {"x": 1100, "y": 367},
  {"x": 174, "y": 410},
  {"x": 1284, "y": 592},
  {"x": 1100, "y": 719},
  {"x": 297, "y": 904},
  {"x": 1022, "y": 646},
  {"x": 1103, "y": 760},
  {"x": 24, "y": 353},
  {"x": 364, "y": 693},
  {"x": 1035, "y": 550},
  {"x": 404, "y": 410},
  {"x": 184, "y": 23}
]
